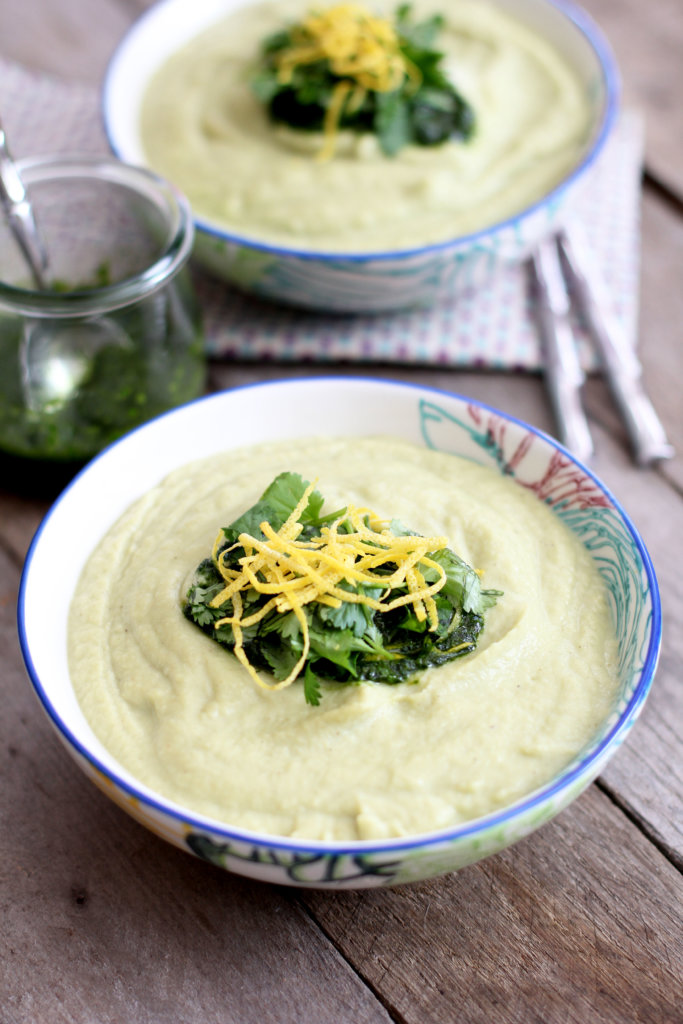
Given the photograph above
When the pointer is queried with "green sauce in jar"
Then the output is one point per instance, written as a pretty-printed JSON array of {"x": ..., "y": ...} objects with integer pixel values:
[
  {"x": 116, "y": 337},
  {"x": 68, "y": 388}
]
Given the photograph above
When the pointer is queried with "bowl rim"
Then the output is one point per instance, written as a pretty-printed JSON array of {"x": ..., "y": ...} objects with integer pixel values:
[
  {"x": 612, "y": 86},
  {"x": 436, "y": 838}
]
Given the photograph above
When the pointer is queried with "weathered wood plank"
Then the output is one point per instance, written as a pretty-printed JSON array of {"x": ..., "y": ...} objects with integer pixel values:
[
  {"x": 659, "y": 348},
  {"x": 662, "y": 316},
  {"x": 579, "y": 922},
  {"x": 19, "y": 520},
  {"x": 648, "y": 42},
  {"x": 103, "y": 921},
  {"x": 646, "y": 776}
]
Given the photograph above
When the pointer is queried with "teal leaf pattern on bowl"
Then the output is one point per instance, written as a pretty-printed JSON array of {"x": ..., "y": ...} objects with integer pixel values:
[
  {"x": 312, "y": 869},
  {"x": 366, "y": 283}
]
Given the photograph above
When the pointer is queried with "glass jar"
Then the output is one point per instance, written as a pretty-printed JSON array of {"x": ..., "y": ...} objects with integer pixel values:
[{"x": 116, "y": 337}]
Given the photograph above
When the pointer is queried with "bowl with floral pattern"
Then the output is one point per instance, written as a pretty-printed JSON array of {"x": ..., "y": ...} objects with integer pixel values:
[
  {"x": 291, "y": 255},
  {"x": 348, "y": 408}
]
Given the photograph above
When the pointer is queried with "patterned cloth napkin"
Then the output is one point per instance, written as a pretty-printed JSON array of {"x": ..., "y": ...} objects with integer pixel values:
[{"x": 491, "y": 327}]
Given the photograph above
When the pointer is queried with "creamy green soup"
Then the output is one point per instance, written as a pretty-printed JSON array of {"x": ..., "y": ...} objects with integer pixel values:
[
  {"x": 371, "y": 761},
  {"x": 202, "y": 127}
]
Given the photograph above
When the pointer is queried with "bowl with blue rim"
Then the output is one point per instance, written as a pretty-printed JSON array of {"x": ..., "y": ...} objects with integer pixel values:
[
  {"x": 387, "y": 246},
  {"x": 347, "y": 408}
]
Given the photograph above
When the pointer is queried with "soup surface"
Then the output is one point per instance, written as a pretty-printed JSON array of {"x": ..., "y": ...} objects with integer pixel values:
[
  {"x": 371, "y": 760},
  {"x": 202, "y": 127}
]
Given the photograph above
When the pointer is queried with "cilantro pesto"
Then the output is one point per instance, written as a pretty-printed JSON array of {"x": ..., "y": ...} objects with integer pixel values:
[
  {"x": 71, "y": 385},
  {"x": 342, "y": 596},
  {"x": 346, "y": 69}
]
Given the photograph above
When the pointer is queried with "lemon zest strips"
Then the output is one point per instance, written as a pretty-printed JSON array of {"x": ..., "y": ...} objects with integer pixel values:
[
  {"x": 297, "y": 572},
  {"x": 362, "y": 50}
]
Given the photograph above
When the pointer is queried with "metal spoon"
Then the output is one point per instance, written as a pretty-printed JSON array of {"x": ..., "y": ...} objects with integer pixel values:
[{"x": 20, "y": 217}]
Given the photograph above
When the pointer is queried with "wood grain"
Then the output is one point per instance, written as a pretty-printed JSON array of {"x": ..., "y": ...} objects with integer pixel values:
[
  {"x": 646, "y": 776},
  {"x": 578, "y": 924},
  {"x": 661, "y": 317},
  {"x": 99, "y": 913},
  {"x": 591, "y": 932},
  {"x": 647, "y": 39}
]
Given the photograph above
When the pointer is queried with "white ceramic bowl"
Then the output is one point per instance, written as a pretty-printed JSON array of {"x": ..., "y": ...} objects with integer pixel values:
[
  {"x": 266, "y": 412},
  {"x": 365, "y": 282}
]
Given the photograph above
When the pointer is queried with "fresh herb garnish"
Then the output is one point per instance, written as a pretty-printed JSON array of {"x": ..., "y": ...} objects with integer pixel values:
[
  {"x": 341, "y": 596},
  {"x": 343, "y": 68}
]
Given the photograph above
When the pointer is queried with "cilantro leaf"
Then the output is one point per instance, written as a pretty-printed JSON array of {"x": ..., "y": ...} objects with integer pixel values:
[
  {"x": 312, "y": 687},
  {"x": 275, "y": 506},
  {"x": 392, "y": 122},
  {"x": 463, "y": 584},
  {"x": 349, "y": 615},
  {"x": 279, "y": 657},
  {"x": 285, "y": 493},
  {"x": 250, "y": 522}
]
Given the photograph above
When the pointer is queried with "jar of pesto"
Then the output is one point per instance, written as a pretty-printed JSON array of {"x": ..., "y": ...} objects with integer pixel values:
[{"x": 115, "y": 337}]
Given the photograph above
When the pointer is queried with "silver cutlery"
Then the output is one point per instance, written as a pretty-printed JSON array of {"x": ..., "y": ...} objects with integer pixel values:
[
  {"x": 620, "y": 364},
  {"x": 563, "y": 374}
]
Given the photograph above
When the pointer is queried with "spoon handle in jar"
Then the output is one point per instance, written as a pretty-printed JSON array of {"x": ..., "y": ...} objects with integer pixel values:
[{"x": 19, "y": 215}]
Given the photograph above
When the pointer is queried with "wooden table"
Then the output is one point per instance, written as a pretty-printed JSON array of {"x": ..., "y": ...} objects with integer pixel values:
[{"x": 102, "y": 922}]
